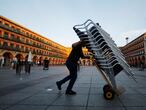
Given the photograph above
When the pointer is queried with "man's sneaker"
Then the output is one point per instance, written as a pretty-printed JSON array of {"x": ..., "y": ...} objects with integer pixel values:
[
  {"x": 58, "y": 85},
  {"x": 70, "y": 92}
]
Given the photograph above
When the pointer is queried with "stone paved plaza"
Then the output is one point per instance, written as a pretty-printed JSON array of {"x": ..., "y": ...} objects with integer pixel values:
[{"x": 38, "y": 91}]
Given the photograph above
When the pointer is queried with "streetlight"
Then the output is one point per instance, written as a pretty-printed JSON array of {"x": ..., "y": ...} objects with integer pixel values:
[{"x": 127, "y": 38}]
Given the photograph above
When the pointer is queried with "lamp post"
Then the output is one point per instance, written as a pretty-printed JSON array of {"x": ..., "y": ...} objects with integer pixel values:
[{"x": 127, "y": 38}]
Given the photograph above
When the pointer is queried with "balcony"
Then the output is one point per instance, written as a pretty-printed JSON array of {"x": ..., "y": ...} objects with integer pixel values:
[
  {"x": 5, "y": 47},
  {"x": 6, "y": 37},
  {"x": 27, "y": 35}
]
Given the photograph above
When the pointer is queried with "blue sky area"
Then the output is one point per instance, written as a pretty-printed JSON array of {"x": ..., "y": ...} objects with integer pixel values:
[{"x": 54, "y": 19}]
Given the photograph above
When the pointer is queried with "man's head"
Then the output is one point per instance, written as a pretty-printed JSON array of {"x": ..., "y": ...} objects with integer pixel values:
[{"x": 82, "y": 43}]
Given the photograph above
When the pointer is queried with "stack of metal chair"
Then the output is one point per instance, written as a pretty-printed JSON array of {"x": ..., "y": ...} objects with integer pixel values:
[{"x": 107, "y": 56}]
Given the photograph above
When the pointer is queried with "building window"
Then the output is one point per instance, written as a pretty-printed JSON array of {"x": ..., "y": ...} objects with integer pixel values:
[
  {"x": 31, "y": 35},
  {"x": 18, "y": 38},
  {"x": 17, "y": 46},
  {"x": 22, "y": 39},
  {"x": 12, "y": 36},
  {"x": 7, "y": 24},
  {"x": 13, "y": 28},
  {"x": 34, "y": 51},
  {"x": 27, "y": 34},
  {"x": 11, "y": 45},
  {"x": 22, "y": 32},
  {"x": 34, "y": 37},
  {"x": 6, "y": 34},
  {"x": 26, "y": 49},
  {"x": 30, "y": 42},
  {"x": 27, "y": 41},
  {"x": 22, "y": 48},
  {"x": 18, "y": 30},
  {"x": 5, "y": 44}
]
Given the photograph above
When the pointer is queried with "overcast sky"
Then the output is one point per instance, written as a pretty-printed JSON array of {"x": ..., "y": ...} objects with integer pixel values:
[{"x": 54, "y": 19}]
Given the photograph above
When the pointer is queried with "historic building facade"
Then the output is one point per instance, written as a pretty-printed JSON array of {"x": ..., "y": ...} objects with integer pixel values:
[
  {"x": 135, "y": 51},
  {"x": 17, "y": 41}
]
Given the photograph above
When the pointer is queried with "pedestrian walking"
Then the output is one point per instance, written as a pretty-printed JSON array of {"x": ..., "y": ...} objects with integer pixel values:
[
  {"x": 14, "y": 62},
  {"x": 28, "y": 63},
  {"x": 141, "y": 65},
  {"x": 46, "y": 64},
  {"x": 26, "y": 66},
  {"x": 71, "y": 64},
  {"x": 18, "y": 67},
  {"x": 78, "y": 65},
  {"x": 2, "y": 61}
]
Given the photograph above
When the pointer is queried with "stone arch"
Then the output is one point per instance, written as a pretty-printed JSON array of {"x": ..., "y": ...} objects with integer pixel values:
[
  {"x": 35, "y": 59},
  {"x": 8, "y": 57},
  {"x": 19, "y": 56}
]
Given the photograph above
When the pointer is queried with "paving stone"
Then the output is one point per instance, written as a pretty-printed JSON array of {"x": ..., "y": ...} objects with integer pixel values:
[
  {"x": 74, "y": 100},
  {"x": 27, "y": 107},
  {"x": 40, "y": 99},
  {"x": 89, "y": 87},
  {"x": 136, "y": 108},
  {"x": 133, "y": 100},
  {"x": 98, "y": 100},
  {"x": 81, "y": 90},
  {"x": 66, "y": 108},
  {"x": 105, "y": 108},
  {"x": 13, "y": 98},
  {"x": 141, "y": 90},
  {"x": 3, "y": 106},
  {"x": 96, "y": 90}
]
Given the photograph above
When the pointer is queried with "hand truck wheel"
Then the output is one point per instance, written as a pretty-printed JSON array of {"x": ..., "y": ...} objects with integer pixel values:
[{"x": 109, "y": 94}]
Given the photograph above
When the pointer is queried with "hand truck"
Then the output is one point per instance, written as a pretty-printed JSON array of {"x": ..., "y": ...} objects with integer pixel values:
[{"x": 107, "y": 56}]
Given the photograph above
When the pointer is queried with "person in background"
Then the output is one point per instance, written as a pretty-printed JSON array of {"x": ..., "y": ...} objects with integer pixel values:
[
  {"x": 78, "y": 65},
  {"x": 18, "y": 67},
  {"x": 14, "y": 62},
  {"x": 27, "y": 66},
  {"x": 2, "y": 61},
  {"x": 48, "y": 63}
]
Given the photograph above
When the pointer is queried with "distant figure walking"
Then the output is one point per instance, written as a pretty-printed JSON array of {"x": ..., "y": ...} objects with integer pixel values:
[
  {"x": 14, "y": 62},
  {"x": 18, "y": 67},
  {"x": 2, "y": 61},
  {"x": 26, "y": 66},
  {"x": 78, "y": 65},
  {"x": 28, "y": 63},
  {"x": 46, "y": 64},
  {"x": 141, "y": 65}
]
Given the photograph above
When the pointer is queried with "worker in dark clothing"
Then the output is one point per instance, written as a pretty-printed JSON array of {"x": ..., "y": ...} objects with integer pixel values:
[{"x": 71, "y": 64}]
